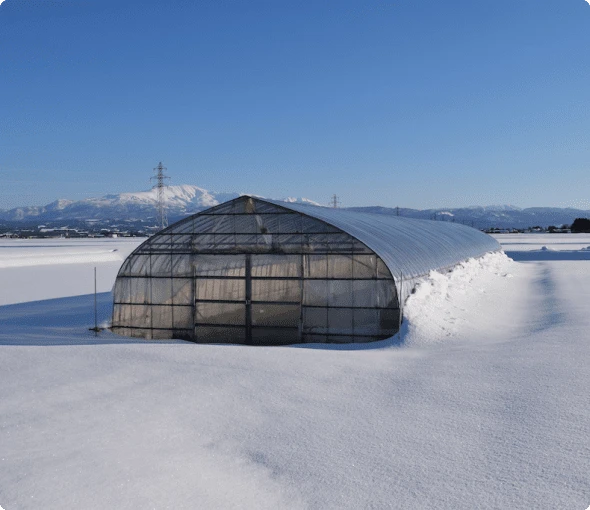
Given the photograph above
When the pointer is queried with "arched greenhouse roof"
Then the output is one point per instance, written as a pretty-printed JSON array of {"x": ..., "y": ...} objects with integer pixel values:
[{"x": 410, "y": 247}]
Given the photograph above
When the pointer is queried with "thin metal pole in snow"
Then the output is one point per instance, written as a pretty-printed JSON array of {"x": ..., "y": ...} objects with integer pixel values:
[
  {"x": 95, "y": 313},
  {"x": 400, "y": 301},
  {"x": 96, "y": 329}
]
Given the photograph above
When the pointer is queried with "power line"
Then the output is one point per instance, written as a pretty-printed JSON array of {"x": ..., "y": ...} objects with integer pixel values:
[{"x": 161, "y": 204}]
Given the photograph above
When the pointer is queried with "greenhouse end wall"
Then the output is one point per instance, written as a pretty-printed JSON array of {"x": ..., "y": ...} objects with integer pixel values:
[{"x": 253, "y": 272}]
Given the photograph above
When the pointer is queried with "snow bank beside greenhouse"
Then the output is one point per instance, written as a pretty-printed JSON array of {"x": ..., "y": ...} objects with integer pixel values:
[{"x": 445, "y": 303}]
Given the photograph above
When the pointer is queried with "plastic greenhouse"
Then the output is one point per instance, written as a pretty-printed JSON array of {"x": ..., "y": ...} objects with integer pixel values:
[{"x": 254, "y": 271}]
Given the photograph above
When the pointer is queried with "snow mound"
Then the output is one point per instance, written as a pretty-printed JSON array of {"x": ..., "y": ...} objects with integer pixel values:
[{"x": 443, "y": 304}]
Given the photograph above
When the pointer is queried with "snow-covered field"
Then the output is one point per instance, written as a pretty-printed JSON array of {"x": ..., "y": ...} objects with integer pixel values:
[
  {"x": 483, "y": 401},
  {"x": 35, "y": 269}
]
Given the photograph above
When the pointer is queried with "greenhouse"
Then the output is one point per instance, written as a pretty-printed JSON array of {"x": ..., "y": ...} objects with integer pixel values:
[{"x": 263, "y": 272}]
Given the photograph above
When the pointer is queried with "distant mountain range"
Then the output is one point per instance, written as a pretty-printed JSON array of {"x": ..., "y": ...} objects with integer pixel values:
[
  {"x": 181, "y": 201},
  {"x": 188, "y": 199},
  {"x": 500, "y": 216}
]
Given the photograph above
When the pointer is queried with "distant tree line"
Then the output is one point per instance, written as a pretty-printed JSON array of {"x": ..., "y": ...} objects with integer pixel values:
[{"x": 581, "y": 225}]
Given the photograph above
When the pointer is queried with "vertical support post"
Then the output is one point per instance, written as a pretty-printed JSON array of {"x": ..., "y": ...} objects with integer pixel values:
[
  {"x": 301, "y": 292},
  {"x": 302, "y": 259},
  {"x": 95, "y": 308},
  {"x": 194, "y": 295},
  {"x": 248, "y": 299},
  {"x": 96, "y": 329},
  {"x": 151, "y": 337},
  {"x": 401, "y": 301}
]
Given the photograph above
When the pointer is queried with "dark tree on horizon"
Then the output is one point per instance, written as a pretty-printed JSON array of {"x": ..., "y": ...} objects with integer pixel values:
[{"x": 581, "y": 225}]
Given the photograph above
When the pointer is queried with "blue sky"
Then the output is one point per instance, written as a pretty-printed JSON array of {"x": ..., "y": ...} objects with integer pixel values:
[{"x": 411, "y": 103}]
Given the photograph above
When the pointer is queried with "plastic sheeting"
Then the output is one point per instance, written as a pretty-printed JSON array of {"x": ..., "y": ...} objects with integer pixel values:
[{"x": 411, "y": 248}]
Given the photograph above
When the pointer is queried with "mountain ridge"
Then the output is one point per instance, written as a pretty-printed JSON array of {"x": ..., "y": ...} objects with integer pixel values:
[
  {"x": 181, "y": 200},
  {"x": 186, "y": 199}
]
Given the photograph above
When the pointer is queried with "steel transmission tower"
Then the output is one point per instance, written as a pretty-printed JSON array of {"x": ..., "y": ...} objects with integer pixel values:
[
  {"x": 161, "y": 206},
  {"x": 334, "y": 202}
]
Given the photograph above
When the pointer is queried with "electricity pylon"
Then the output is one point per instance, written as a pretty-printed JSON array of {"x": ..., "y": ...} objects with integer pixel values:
[{"x": 161, "y": 205}]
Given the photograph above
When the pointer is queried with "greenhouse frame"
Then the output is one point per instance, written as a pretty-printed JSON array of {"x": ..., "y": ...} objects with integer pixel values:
[{"x": 263, "y": 272}]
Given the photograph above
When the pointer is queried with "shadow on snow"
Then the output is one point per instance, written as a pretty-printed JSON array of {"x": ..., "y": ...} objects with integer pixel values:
[
  {"x": 63, "y": 321},
  {"x": 538, "y": 255},
  {"x": 66, "y": 321}
]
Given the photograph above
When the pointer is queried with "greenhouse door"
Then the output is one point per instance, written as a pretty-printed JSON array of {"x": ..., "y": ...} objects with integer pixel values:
[
  {"x": 220, "y": 299},
  {"x": 248, "y": 299},
  {"x": 273, "y": 299}
]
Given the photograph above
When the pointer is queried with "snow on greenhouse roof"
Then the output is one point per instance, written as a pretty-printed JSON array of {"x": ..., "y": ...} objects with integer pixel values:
[{"x": 408, "y": 246}]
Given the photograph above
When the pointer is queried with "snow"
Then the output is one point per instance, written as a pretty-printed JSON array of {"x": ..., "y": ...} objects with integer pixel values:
[
  {"x": 180, "y": 199},
  {"x": 182, "y": 194},
  {"x": 482, "y": 402},
  {"x": 455, "y": 302},
  {"x": 536, "y": 247},
  {"x": 301, "y": 200},
  {"x": 35, "y": 269},
  {"x": 526, "y": 242}
]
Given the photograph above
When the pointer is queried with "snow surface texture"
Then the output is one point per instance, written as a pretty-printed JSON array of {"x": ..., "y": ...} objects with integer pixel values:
[
  {"x": 35, "y": 269},
  {"x": 444, "y": 299},
  {"x": 538, "y": 247},
  {"x": 482, "y": 402}
]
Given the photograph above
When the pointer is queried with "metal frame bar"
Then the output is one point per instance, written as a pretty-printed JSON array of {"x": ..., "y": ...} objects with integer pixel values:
[
  {"x": 255, "y": 302},
  {"x": 278, "y": 233},
  {"x": 287, "y": 278},
  {"x": 286, "y": 213},
  {"x": 248, "y": 299},
  {"x": 236, "y": 326}
]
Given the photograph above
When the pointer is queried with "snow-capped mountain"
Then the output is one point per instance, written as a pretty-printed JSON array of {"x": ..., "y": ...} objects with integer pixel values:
[
  {"x": 494, "y": 208},
  {"x": 188, "y": 199},
  {"x": 181, "y": 200},
  {"x": 300, "y": 200}
]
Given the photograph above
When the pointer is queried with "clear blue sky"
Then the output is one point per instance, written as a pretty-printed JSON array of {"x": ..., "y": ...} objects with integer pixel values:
[{"x": 413, "y": 103}]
